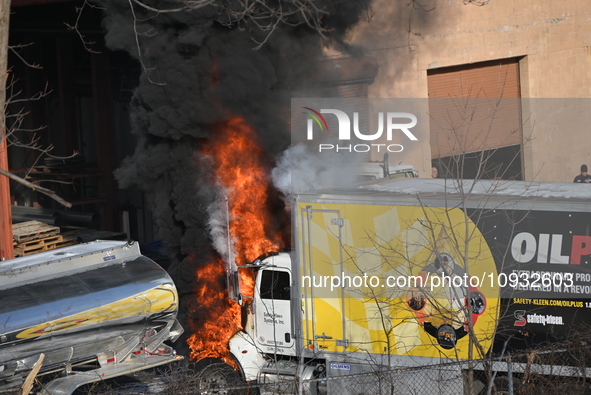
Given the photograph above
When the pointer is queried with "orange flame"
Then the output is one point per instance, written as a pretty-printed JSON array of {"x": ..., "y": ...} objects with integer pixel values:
[
  {"x": 240, "y": 168},
  {"x": 222, "y": 316}
]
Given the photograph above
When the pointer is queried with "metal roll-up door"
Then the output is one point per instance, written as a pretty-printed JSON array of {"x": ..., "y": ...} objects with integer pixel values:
[{"x": 474, "y": 107}]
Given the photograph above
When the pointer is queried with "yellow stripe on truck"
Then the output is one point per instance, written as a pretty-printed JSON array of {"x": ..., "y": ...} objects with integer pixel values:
[{"x": 159, "y": 299}]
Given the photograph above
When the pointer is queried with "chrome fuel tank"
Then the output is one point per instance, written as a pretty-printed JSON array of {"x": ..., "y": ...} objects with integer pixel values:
[{"x": 83, "y": 302}]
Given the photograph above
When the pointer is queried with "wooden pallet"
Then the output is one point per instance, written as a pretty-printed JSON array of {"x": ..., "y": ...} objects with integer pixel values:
[
  {"x": 32, "y": 230},
  {"x": 39, "y": 245}
]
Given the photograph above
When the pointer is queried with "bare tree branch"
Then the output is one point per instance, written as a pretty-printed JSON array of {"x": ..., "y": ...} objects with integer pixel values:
[
  {"x": 14, "y": 124},
  {"x": 479, "y": 3},
  {"x": 76, "y": 25},
  {"x": 138, "y": 46},
  {"x": 189, "y": 5},
  {"x": 45, "y": 191},
  {"x": 13, "y": 49}
]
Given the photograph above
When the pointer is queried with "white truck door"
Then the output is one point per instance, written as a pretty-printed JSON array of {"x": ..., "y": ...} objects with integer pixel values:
[{"x": 272, "y": 301}]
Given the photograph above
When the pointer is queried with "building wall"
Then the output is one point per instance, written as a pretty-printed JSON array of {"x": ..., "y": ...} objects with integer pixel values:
[{"x": 552, "y": 37}]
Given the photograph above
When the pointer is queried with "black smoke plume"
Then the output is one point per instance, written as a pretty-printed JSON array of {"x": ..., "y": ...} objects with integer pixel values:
[{"x": 197, "y": 68}]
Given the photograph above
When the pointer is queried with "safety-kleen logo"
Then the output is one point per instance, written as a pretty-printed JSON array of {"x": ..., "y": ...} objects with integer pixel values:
[{"x": 520, "y": 318}]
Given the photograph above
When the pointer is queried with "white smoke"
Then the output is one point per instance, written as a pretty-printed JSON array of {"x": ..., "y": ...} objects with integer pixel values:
[
  {"x": 218, "y": 225},
  {"x": 299, "y": 169}
]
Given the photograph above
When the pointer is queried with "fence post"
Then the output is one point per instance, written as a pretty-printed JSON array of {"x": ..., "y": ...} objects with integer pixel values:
[{"x": 510, "y": 375}]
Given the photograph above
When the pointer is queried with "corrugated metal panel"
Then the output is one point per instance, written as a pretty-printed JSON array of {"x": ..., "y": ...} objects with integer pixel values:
[
  {"x": 352, "y": 90},
  {"x": 474, "y": 107},
  {"x": 346, "y": 91},
  {"x": 341, "y": 91},
  {"x": 346, "y": 70}
]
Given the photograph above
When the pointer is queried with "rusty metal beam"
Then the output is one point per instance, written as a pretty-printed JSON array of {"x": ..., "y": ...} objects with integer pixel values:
[
  {"x": 105, "y": 134},
  {"x": 6, "y": 247}
]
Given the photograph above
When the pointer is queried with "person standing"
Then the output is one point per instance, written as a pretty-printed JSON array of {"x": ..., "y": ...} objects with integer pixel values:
[
  {"x": 583, "y": 177},
  {"x": 434, "y": 172}
]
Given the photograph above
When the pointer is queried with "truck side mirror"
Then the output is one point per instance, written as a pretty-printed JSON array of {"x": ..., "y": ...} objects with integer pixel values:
[{"x": 233, "y": 283}]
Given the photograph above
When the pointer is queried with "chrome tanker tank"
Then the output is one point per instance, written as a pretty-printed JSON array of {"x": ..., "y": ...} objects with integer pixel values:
[{"x": 94, "y": 310}]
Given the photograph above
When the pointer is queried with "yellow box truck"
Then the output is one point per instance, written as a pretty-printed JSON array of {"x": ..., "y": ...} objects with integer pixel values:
[{"x": 413, "y": 272}]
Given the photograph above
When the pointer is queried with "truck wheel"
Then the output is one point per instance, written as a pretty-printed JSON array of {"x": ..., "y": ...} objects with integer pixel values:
[{"x": 217, "y": 377}]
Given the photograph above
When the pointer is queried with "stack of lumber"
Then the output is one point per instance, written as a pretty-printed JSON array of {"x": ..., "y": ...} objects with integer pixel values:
[{"x": 33, "y": 236}]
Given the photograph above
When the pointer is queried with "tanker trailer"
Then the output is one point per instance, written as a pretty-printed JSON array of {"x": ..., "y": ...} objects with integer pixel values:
[{"x": 95, "y": 310}]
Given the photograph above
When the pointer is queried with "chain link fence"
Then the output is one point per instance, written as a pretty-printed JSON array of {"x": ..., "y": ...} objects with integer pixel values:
[
  {"x": 541, "y": 372},
  {"x": 438, "y": 379},
  {"x": 441, "y": 379},
  {"x": 444, "y": 379},
  {"x": 561, "y": 368}
]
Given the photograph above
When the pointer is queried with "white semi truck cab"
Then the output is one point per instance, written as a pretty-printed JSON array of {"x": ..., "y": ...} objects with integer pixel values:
[{"x": 268, "y": 340}]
